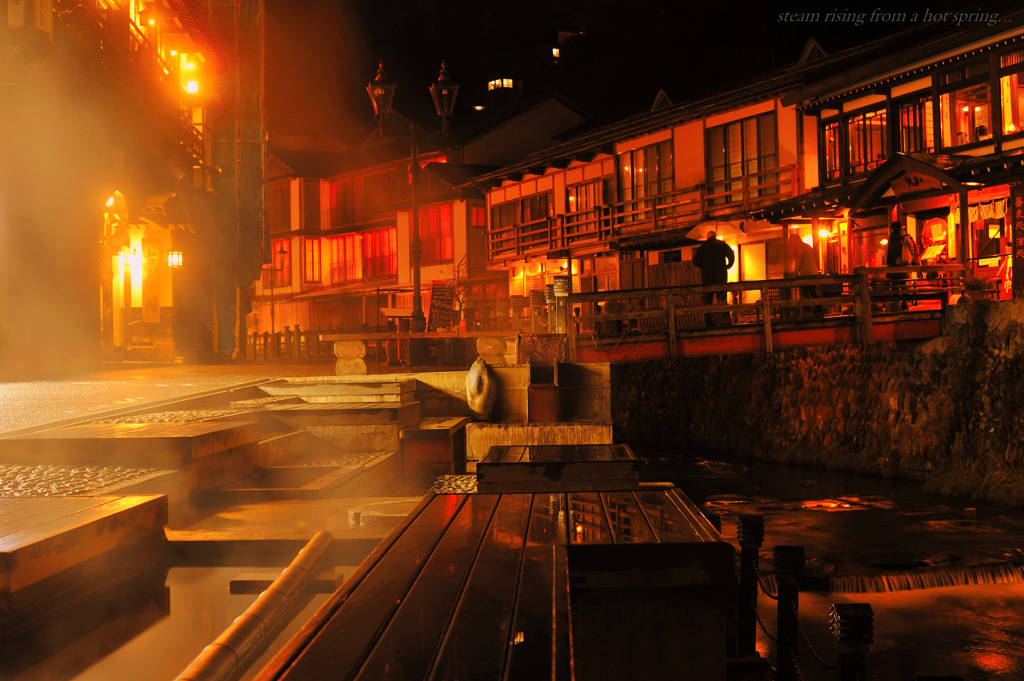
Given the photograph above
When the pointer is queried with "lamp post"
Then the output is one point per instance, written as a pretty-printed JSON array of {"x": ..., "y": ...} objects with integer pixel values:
[
  {"x": 273, "y": 271},
  {"x": 382, "y": 93}
]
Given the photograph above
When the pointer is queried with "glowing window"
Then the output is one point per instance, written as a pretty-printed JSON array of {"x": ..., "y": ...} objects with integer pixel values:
[{"x": 312, "y": 260}]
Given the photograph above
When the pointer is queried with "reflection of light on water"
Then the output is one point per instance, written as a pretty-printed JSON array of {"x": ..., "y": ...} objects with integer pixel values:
[{"x": 969, "y": 631}]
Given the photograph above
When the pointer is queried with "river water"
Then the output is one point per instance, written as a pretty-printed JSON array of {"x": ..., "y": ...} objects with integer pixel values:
[{"x": 943, "y": 576}]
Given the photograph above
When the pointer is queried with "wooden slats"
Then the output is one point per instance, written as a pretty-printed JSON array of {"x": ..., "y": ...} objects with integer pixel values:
[
  {"x": 477, "y": 586},
  {"x": 479, "y": 635},
  {"x": 41, "y": 537},
  {"x": 344, "y": 641}
]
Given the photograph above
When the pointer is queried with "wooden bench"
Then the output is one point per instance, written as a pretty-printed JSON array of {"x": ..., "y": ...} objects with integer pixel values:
[
  {"x": 437, "y": 446},
  {"x": 487, "y": 586},
  {"x": 558, "y": 468}
]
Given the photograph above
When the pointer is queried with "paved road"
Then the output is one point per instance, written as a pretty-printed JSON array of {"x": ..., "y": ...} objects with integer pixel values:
[{"x": 30, "y": 403}]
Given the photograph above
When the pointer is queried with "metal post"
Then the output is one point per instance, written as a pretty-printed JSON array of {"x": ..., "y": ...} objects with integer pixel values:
[
  {"x": 788, "y": 564},
  {"x": 852, "y": 626},
  {"x": 750, "y": 532},
  {"x": 418, "y": 323}
]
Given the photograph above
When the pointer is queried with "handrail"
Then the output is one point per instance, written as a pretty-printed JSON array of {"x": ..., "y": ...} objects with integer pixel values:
[
  {"x": 653, "y": 212},
  {"x": 660, "y": 313}
]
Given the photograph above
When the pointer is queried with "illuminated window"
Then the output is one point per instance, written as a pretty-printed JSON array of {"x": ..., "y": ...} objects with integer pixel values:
[
  {"x": 312, "y": 260},
  {"x": 479, "y": 216},
  {"x": 830, "y": 147},
  {"x": 347, "y": 258},
  {"x": 311, "y": 203},
  {"x": 866, "y": 140},
  {"x": 742, "y": 149},
  {"x": 916, "y": 126},
  {"x": 380, "y": 255},
  {"x": 279, "y": 208},
  {"x": 555, "y": 52},
  {"x": 965, "y": 104},
  {"x": 646, "y": 172},
  {"x": 500, "y": 84},
  {"x": 436, "y": 234},
  {"x": 1011, "y": 91}
]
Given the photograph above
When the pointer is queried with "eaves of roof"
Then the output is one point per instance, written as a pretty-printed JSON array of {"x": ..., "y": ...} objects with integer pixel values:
[{"x": 904, "y": 62}]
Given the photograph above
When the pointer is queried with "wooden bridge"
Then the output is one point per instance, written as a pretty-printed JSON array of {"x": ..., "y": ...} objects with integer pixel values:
[{"x": 868, "y": 306}]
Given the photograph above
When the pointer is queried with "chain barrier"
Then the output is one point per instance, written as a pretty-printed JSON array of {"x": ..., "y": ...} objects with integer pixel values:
[
  {"x": 760, "y": 583},
  {"x": 803, "y": 633},
  {"x": 763, "y": 628}
]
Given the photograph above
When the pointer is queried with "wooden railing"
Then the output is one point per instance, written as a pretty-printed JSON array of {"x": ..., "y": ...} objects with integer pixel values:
[
  {"x": 857, "y": 299},
  {"x": 291, "y": 343},
  {"x": 649, "y": 214}
]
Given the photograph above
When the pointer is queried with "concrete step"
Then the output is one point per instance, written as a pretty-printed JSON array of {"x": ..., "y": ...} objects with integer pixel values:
[
  {"x": 350, "y": 427},
  {"x": 323, "y": 389},
  {"x": 480, "y": 436}
]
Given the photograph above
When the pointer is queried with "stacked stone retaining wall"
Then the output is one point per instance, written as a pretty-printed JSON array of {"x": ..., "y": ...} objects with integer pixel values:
[{"x": 948, "y": 412}]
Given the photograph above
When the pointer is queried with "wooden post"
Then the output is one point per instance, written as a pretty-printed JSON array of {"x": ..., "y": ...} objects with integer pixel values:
[
  {"x": 862, "y": 306},
  {"x": 670, "y": 308},
  {"x": 852, "y": 626},
  {"x": 789, "y": 564},
  {"x": 750, "y": 532},
  {"x": 766, "y": 318}
]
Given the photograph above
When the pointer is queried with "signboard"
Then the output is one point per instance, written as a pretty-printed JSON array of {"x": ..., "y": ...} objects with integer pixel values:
[
  {"x": 1017, "y": 233},
  {"x": 913, "y": 182},
  {"x": 442, "y": 298}
]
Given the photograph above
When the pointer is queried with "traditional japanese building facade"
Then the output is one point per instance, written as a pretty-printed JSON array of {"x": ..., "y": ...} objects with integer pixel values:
[
  {"x": 119, "y": 176},
  {"x": 931, "y": 135},
  {"x": 340, "y": 225},
  {"x": 924, "y": 127}
]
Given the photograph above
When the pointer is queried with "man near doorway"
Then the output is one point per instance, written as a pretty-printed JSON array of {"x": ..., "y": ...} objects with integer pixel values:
[{"x": 714, "y": 258}]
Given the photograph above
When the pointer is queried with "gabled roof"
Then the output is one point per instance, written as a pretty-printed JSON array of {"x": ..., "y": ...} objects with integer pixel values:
[{"x": 777, "y": 83}]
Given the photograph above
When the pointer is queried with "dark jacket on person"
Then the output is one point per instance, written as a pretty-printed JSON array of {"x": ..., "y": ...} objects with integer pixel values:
[{"x": 714, "y": 258}]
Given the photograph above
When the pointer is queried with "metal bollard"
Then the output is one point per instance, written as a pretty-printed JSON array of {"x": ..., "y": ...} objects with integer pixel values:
[
  {"x": 788, "y": 562},
  {"x": 750, "y": 532},
  {"x": 852, "y": 626}
]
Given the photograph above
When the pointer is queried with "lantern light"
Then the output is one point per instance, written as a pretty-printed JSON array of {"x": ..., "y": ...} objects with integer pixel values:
[{"x": 174, "y": 259}]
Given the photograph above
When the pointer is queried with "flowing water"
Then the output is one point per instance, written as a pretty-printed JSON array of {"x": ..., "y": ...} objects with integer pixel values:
[{"x": 944, "y": 577}]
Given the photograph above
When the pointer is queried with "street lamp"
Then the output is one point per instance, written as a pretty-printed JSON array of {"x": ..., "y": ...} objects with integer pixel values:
[
  {"x": 273, "y": 270},
  {"x": 382, "y": 93}
]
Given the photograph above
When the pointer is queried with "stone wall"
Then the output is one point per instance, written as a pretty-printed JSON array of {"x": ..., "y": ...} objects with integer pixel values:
[{"x": 948, "y": 412}]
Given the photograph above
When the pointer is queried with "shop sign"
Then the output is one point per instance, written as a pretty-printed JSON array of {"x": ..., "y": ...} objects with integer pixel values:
[
  {"x": 913, "y": 182},
  {"x": 1017, "y": 227}
]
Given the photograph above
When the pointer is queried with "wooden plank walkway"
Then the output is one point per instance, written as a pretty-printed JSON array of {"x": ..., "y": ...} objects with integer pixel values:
[
  {"x": 487, "y": 586},
  {"x": 151, "y": 444},
  {"x": 558, "y": 468},
  {"x": 54, "y": 550}
]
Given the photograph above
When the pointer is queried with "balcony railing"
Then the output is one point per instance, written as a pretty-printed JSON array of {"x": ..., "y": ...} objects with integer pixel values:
[{"x": 677, "y": 209}]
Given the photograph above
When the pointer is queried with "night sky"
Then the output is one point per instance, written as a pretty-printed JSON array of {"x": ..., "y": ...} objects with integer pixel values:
[{"x": 322, "y": 53}]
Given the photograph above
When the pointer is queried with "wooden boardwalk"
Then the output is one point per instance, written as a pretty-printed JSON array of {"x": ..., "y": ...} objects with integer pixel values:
[
  {"x": 558, "y": 468},
  {"x": 529, "y": 586},
  {"x": 56, "y": 550}
]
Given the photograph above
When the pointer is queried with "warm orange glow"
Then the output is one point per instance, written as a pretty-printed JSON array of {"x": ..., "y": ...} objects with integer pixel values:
[
  {"x": 192, "y": 86},
  {"x": 174, "y": 259},
  {"x": 823, "y": 233},
  {"x": 110, "y": 202}
]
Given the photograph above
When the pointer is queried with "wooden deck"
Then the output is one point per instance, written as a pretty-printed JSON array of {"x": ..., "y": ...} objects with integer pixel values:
[
  {"x": 528, "y": 586},
  {"x": 558, "y": 468},
  {"x": 56, "y": 550},
  {"x": 149, "y": 444}
]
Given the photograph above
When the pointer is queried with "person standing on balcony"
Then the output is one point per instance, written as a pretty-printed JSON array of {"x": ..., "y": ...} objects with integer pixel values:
[
  {"x": 803, "y": 263},
  {"x": 898, "y": 253},
  {"x": 714, "y": 258}
]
